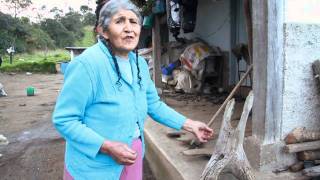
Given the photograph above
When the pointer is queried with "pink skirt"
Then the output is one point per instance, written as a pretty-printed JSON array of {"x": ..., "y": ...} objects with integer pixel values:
[{"x": 132, "y": 172}]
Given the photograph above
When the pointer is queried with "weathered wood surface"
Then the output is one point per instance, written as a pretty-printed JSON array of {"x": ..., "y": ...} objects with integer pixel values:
[
  {"x": 198, "y": 152},
  {"x": 308, "y": 155},
  {"x": 156, "y": 52},
  {"x": 312, "y": 172},
  {"x": 297, "y": 166},
  {"x": 305, "y": 146},
  {"x": 301, "y": 134},
  {"x": 228, "y": 154}
]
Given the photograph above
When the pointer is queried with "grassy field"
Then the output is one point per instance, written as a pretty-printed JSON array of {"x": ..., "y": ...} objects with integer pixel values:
[
  {"x": 35, "y": 62},
  {"x": 40, "y": 61}
]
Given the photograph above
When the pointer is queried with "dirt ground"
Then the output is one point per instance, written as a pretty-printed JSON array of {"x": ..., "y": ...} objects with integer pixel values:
[{"x": 36, "y": 150}]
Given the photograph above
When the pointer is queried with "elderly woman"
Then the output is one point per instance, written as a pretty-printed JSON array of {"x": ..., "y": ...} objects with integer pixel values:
[{"x": 105, "y": 99}]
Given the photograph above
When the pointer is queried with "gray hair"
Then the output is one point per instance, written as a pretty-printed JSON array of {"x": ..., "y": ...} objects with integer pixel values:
[{"x": 112, "y": 7}]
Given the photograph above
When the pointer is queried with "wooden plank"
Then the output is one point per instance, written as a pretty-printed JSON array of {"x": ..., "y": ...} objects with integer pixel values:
[
  {"x": 156, "y": 53},
  {"x": 293, "y": 148},
  {"x": 308, "y": 155},
  {"x": 312, "y": 172}
]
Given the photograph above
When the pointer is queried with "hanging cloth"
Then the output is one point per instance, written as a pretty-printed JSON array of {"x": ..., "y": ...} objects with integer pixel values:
[{"x": 174, "y": 23}]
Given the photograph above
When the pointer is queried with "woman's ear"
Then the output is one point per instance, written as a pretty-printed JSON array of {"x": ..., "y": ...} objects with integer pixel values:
[{"x": 99, "y": 30}]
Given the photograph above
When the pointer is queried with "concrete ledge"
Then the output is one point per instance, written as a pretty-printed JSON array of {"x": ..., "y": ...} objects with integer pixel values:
[
  {"x": 160, "y": 164},
  {"x": 165, "y": 158},
  {"x": 168, "y": 163}
]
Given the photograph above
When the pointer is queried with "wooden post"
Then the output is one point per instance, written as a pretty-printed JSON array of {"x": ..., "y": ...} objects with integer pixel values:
[{"x": 156, "y": 53}]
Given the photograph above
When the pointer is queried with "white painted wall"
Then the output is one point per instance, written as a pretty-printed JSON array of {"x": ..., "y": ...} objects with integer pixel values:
[{"x": 301, "y": 100}]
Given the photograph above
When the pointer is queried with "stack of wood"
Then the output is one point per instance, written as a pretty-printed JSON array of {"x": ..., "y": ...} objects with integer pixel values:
[{"x": 306, "y": 144}]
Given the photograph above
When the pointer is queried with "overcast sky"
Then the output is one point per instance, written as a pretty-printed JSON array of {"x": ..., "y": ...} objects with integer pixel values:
[
  {"x": 307, "y": 11},
  {"x": 32, "y": 11}
]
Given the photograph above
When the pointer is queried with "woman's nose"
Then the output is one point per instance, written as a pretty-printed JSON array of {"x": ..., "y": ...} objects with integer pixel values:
[{"x": 128, "y": 27}]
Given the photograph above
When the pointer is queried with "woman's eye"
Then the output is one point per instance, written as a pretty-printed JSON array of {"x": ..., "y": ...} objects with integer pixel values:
[
  {"x": 134, "y": 21},
  {"x": 119, "y": 21}
]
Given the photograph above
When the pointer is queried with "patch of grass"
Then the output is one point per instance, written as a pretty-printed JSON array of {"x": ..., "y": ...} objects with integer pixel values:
[
  {"x": 88, "y": 38},
  {"x": 40, "y": 66},
  {"x": 35, "y": 62}
]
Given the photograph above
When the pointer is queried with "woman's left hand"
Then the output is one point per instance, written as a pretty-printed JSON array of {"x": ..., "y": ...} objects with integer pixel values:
[{"x": 199, "y": 129}]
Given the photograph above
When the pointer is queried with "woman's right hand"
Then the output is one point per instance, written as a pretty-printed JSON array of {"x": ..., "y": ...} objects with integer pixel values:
[{"x": 119, "y": 152}]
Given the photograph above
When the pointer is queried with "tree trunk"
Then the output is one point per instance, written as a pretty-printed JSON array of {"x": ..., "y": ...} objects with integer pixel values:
[{"x": 228, "y": 153}]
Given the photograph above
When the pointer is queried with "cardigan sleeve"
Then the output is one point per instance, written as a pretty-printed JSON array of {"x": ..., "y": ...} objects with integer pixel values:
[
  {"x": 161, "y": 112},
  {"x": 75, "y": 96}
]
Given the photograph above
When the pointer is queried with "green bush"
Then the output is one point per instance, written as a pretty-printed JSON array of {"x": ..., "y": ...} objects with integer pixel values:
[{"x": 40, "y": 66}]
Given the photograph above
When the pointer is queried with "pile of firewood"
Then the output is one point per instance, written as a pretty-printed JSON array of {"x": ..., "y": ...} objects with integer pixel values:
[{"x": 306, "y": 144}]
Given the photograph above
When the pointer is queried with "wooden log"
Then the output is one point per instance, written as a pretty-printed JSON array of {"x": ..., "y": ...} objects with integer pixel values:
[
  {"x": 297, "y": 166},
  {"x": 308, "y": 155},
  {"x": 301, "y": 134},
  {"x": 293, "y": 148},
  {"x": 312, "y": 172}
]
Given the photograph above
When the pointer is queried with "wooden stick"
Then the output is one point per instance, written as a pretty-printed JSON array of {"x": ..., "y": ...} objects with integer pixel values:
[
  {"x": 195, "y": 141},
  {"x": 308, "y": 155},
  {"x": 198, "y": 152},
  {"x": 230, "y": 95},
  {"x": 292, "y": 148},
  {"x": 312, "y": 172},
  {"x": 301, "y": 134}
]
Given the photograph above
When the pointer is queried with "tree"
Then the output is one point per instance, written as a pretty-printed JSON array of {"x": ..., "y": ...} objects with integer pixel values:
[
  {"x": 58, "y": 32},
  {"x": 57, "y": 12},
  {"x": 84, "y": 9},
  {"x": 17, "y": 5},
  {"x": 89, "y": 19},
  {"x": 72, "y": 22}
]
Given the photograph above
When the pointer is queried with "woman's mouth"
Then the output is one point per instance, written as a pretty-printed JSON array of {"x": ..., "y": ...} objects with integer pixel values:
[{"x": 128, "y": 38}]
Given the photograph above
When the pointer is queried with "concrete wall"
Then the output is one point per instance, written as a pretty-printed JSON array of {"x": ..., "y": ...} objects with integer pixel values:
[{"x": 301, "y": 100}]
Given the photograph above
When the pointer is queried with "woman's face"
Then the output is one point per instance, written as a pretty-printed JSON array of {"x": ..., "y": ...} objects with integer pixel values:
[{"x": 123, "y": 32}]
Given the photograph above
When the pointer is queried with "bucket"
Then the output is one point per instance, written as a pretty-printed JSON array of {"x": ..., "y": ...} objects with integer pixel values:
[
  {"x": 30, "y": 91},
  {"x": 63, "y": 67}
]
